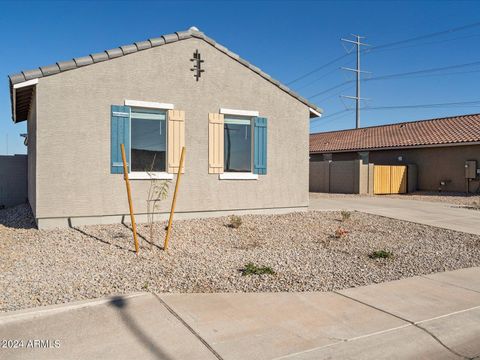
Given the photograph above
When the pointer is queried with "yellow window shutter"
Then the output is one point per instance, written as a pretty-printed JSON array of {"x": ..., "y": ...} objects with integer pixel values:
[
  {"x": 215, "y": 143},
  {"x": 176, "y": 139}
]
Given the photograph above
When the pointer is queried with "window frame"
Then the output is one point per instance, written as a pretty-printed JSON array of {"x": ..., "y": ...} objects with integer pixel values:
[
  {"x": 144, "y": 105},
  {"x": 246, "y": 114}
]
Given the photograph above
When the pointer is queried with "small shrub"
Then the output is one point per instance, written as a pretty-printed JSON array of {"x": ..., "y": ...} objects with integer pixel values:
[
  {"x": 340, "y": 232},
  {"x": 252, "y": 269},
  {"x": 235, "y": 221},
  {"x": 345, "y": 215},
  {"x": 380, "y": 254}
]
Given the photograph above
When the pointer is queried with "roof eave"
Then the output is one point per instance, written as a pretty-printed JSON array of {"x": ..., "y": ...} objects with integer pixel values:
[
  {"x": 50, "y": 70},
  {"x": 14, "y": 88}
]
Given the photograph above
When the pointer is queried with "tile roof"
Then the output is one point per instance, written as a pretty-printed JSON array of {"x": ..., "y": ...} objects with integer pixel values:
[
  {"x": 193, "y": 32},
  {"x": 450, "y": 130}
]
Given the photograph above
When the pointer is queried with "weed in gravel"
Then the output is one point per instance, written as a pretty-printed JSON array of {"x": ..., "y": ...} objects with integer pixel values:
[
  {"x": 340, "y": 232},
  {"x": 380, "y": 254},
  {"x": 235, "y": 222},
  {"x": 252, "y": 269},
  {"x": 345, "y": 215},
  {"x": 145, "y": 286}
]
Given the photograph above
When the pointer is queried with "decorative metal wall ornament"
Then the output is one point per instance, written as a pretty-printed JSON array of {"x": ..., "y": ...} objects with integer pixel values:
[{"x": 197, "y": 65}]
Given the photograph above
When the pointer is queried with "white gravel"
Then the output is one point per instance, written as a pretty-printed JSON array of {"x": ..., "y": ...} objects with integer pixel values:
[{"x": 39, "y": 267}]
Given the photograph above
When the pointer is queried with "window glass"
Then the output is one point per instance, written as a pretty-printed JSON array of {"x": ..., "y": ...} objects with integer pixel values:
[
  {"x": 148, "y": 140},
  {"x": 238, "y": 144}
]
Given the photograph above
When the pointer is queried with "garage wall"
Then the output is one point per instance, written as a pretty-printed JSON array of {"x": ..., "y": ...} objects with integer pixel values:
[
  {"x": 319, "y": 176},
  {"x": 13, "y": 180},
  {"x": 434, "y": 164},
  {"x": 346, "y": 177}
]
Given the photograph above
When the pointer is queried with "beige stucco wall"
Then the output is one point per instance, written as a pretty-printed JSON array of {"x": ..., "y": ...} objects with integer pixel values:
[
  {"x": 348, "y": 177},
  {"x": 434, "y": 164},
  {"x": 32, "y": 153},
  {"x": 73, "y": 133}
]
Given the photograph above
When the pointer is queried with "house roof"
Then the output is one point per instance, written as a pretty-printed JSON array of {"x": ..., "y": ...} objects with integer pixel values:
[
  {"x": 449, "y": 130},
  {"x": 20, "y": 95}
]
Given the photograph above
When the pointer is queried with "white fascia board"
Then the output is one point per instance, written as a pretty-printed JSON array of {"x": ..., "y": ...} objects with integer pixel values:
[
  {"x": 238, "y": 176},
  {"x": 315, "y": 112},
  {"x": 239, "y": 112},
  {"x": 25, "y": 83},
  {"x": 149, "y": 104}
]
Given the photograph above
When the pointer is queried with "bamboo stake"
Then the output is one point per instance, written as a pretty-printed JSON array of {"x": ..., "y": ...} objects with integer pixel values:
[
  {"x": 130, "y": 204},
  {"x": 174, "y": 201}
]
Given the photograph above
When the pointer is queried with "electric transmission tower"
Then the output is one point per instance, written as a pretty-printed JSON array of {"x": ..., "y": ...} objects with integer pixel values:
[{"x": 357, "y": 97}]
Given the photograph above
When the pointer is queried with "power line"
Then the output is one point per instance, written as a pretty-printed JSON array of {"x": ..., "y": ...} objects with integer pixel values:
[
  {"x": 387, "y": 45},
  {"x": 367, "y": 51},
  {"x": 409, "y": 73},
  {"x": 318, "y": 69},
  {"x": 426, "y": 36},
  {"x": 473, "y": 103},
  {"x": 416, "y": 72},
  {"x": 415, "y": 106}
]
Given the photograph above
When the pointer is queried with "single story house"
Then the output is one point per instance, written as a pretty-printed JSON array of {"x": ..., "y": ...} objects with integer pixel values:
[
  {"x": 246, "y": 135},
  {"x": 444, "y": 151}
]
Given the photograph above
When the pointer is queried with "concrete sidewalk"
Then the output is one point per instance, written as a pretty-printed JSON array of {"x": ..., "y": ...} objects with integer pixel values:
[
  {"x": 427, "y": 317},
  {"x": 447, "y": 216}
]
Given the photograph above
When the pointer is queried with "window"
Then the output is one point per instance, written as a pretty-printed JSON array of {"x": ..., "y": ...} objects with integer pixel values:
[
  {"x": 237, "y": 144},
  {"x": 364, "y": 156},
  {"x": 148, "y": 140}
]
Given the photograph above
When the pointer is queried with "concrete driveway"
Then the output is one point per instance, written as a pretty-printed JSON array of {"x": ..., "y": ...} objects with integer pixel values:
[
  {"x": 437, "y": 214},
  {"x": 425, "y": 317}
]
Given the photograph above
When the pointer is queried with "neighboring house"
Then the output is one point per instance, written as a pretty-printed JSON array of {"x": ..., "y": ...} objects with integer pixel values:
[
  {"x": 440, "y": 149},
  {"x": 246, "y": 135}
]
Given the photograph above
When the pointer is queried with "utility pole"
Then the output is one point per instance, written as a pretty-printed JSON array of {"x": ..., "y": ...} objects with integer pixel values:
[{"x": 357, "y": 98}]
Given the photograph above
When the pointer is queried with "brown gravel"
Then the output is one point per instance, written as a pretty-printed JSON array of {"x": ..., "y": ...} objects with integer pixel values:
[{"x": 39, "y": 267}]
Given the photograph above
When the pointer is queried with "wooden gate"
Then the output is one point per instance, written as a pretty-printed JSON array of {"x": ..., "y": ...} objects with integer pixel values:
[{"x": 390, "y": 179}]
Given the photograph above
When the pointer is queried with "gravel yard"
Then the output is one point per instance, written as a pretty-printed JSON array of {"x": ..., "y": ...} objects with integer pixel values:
[{"x": 39, "y": 267}]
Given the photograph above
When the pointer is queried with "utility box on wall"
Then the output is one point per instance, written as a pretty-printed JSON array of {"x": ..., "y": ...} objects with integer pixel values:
[{"x": 470, "y": 169}]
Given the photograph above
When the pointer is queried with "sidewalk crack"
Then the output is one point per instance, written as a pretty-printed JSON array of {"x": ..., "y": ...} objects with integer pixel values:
[
  {"x": 197, "y": 335},
  {"x": 411, "y": 323}
]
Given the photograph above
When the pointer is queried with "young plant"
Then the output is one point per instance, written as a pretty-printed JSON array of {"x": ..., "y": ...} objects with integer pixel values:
[
  {"x": 345, "y": 215},
  {"x": 380, "y": 254},
  {"x": 235, "y": 221},
  {"x": 157, "y": 192},
  {"x": 252, "y": 269}
]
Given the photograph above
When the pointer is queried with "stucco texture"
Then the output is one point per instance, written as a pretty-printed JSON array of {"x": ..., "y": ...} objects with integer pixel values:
[{"x": 73, "y": 133}]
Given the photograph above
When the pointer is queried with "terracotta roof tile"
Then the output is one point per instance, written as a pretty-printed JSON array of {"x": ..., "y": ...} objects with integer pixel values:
[{"x": 451, "y": 130}]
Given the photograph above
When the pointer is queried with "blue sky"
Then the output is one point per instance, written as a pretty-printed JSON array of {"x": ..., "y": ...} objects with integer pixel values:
[{"x": 285, "y": 39}]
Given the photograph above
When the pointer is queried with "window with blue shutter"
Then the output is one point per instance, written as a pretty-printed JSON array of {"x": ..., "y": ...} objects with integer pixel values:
[
  {"x": 120, "y": 134},
  {"x": 260, "y": 146}
]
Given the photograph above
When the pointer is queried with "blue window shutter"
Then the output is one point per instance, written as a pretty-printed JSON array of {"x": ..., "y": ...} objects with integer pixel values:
[
  {"x": 120, "y": 134},
  {"x": 260, "y": 146}
]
